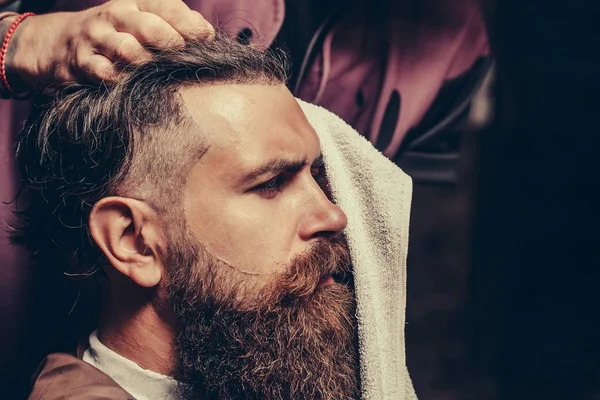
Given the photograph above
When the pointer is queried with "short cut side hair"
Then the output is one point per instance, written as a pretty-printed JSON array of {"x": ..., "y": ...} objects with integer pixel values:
[{"x": 124, "y": 139}]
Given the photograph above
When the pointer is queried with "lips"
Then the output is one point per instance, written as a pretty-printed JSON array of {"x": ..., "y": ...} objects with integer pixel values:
[{"x": 326, "y": 281}]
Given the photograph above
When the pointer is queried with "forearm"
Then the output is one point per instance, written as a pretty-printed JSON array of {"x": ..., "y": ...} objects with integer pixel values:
[{"x": 6, "y": 18}]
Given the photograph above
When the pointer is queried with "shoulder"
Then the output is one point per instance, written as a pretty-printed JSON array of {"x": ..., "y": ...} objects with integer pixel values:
[{"x": 63, "y": 376}]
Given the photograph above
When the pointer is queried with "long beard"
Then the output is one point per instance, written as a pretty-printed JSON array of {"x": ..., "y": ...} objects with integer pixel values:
[{"x": 292, "y": 339}]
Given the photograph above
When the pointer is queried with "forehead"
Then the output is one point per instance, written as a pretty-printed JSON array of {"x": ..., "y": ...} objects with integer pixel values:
[{"x": 246, "y": 124}]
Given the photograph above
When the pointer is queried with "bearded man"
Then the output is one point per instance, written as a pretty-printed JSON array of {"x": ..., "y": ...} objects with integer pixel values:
[{"x": 194, "y": 190}]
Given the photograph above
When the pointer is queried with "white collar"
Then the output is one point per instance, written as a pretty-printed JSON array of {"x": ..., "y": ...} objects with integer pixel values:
[{"x": 141, "y": 383}]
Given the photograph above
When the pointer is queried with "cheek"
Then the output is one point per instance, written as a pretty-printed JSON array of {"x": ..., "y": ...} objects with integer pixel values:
[{"x": 248, "y": 232}]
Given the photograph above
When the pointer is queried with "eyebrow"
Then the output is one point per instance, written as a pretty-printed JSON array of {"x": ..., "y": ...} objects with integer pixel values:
[{"x": 279, "y": 165}]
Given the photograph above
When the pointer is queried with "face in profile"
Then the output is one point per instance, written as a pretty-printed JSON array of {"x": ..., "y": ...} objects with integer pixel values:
[{"x": 256, "y": 273}]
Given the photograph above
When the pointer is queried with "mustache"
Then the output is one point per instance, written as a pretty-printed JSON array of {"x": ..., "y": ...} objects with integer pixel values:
[
  {"x": 325, "y": 258},
  {"x": 297, "y": 285}
]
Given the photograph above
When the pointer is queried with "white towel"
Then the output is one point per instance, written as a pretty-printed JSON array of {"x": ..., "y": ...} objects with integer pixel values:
[{"x": 375, "y": 195}]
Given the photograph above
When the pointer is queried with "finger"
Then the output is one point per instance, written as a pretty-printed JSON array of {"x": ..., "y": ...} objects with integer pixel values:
[
  {"x": 187, "y": 22},
  {"x": 100, "y": 69},
  {"x": 197, "y": 27},
  {"x": 149, "y": 29},
  {"x": 121, "y": 47}
]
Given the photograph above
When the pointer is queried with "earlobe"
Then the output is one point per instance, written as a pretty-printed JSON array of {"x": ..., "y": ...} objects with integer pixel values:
[{"x": 128, "y": 232}]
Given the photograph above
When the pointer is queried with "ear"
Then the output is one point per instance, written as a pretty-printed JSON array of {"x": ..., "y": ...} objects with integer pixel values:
[{"x": 130, "y": 234}]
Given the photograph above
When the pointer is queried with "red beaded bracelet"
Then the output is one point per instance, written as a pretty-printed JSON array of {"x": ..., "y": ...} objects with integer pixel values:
[{"x": 4, "y": 49}]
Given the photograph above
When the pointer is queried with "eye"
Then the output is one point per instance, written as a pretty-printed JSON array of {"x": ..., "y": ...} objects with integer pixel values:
[
  {"x": 320, "y": 176},
  {"x": 318, "y": 172},
  {"x": 272, "y": 186}
]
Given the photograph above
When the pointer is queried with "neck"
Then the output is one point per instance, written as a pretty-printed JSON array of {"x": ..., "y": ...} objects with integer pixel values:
[{"x": 135, "y": 329}]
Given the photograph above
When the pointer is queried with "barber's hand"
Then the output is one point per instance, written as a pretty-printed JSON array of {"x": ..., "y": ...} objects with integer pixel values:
[{"x": 84, "y": 45}]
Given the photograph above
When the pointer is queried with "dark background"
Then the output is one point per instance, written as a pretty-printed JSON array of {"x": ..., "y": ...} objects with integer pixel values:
[{"x": 536, "y": 257}]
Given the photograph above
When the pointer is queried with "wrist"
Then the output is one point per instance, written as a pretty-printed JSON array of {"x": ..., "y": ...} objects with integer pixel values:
[
  {"x": 20, "y": 56},
  {"x": 6, "y": 20}
]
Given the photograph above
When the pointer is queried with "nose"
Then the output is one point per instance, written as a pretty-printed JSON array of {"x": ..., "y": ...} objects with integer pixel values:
[{"x": 324, "y": 220}]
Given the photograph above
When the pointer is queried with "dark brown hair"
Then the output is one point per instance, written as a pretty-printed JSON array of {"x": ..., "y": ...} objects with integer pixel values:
[{"x": 90, "y": 142}]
